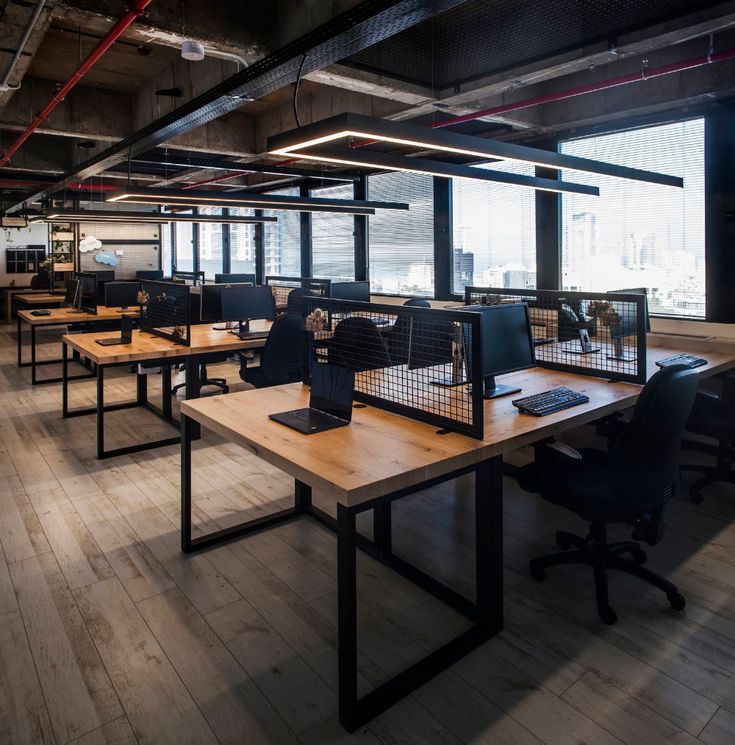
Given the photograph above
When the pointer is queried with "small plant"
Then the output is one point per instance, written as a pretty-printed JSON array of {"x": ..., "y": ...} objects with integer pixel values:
[
  {"x": 315, "y": 320},
  {"x": 603, "y": 312},
  {"x": 142, "y": 297}
]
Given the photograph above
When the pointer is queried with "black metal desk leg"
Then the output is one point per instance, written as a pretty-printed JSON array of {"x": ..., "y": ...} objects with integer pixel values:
[
  {"x": 192, "y": 389},
  {"x": 166, "y": 391},
  {"x": 302, "y": 496},
  {"x": 141, "y": 385},
  {"x": 64, "y": 381},
  {"x": 100, "y": 412},
  {"x": 186, "y": 423},
  {"x": 489, "y": 542},
  {"x": 347, "y": 615},
  {"x": 382, "y": 534},
  {"x": 20, "y": 343},
  {"x": 33, "y": 355}
]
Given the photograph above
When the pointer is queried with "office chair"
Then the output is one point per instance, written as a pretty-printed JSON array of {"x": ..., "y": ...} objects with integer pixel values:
[
  {"x": 295, "y": 301},
  {"x": 713, "y": 415},
  {"x": 418, "y": 302},
  {"x": 359, "y": 345},
  {"x": 282, "y": 358},
  {"x": 39, "y": 282},
  {"x": 631, "y": 483}
]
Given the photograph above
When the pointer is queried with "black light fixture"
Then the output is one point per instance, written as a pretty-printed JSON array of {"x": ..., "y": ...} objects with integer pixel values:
[
  {"x": 316, "y": 142},
  {"x": 142, "y": 217}
]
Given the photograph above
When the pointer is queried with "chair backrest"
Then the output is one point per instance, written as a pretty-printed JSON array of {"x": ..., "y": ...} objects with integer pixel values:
[
  {"x": 359, "y": 345},
  {"x": 418, "y": 302},
  {"x": 644, "y": 458},
  {"x": 38, "y": 282},
  {"x": 282, "y": 359},
  {"x": 295, "y": 302}
]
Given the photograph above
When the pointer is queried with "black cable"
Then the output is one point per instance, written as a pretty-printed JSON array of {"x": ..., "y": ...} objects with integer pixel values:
[{"x": 296, "y": 91}]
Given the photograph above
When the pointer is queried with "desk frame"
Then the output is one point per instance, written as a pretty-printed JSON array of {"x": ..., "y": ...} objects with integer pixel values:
[{"x": 486, "y": 611}]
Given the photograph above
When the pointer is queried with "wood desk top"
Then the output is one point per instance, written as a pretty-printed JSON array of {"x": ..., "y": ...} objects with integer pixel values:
[
  {"x": 60, "y": 316},
  {"x": 38, "y": 298},
  {"x": 380, "y": 452},
  {"x": 204, "y": 340}
]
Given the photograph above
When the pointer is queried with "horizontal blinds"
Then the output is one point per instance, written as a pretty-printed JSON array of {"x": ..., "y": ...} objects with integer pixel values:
[
  {"x": 401, "y": 244},
  {"x": 638, "y": 234},
  {"x": 166, "y": 254},
  {"x": 494, "y": 231},
  {"x": 282, "y": 239},
  {"x": 184, "y": 232},
  {"x": 242, "y": 243},
  {"x": 210, "y": 243},
  {"x": 333, "y": 242}
]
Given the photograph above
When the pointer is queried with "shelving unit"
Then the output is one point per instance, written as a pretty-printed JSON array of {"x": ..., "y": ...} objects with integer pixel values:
[{"x": 62, "y": 238}]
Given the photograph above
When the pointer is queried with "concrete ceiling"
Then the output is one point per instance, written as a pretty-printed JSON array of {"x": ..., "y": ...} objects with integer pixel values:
[{"x": 474, "y": 56}]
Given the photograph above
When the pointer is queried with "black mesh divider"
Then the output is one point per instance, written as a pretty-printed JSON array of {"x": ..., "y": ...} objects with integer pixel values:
[
  {"x": 408, "y": 360},
  {"x": 193, "y": 278},
  {"x": 166, "y": 311},
  {"x": 591, "y": 333},
  {"x": 282, "y": 287}
]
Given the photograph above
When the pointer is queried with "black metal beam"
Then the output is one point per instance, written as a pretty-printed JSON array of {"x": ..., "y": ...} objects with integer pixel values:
[
  {"x": 368, "y": 23},
  {"x": 360, "y": 234},
  {"x": 443, "y": 239},
  {"x": 305, "y": 225}
]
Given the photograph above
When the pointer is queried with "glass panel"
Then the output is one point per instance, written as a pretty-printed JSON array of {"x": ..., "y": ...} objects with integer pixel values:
[
  {"x": 636, "y": 234},
  {"x": 401, "y": 244},
  {"x": 283, "y": 240},
  {"x": 184, "y": 246},
  {"x": 210, "y": 243},
  {"x": 332, "y": 238},
  {"x": 166, "y": 253},
  {"x": 494, "y": 231},
  {"x": 242, "y": 243}
]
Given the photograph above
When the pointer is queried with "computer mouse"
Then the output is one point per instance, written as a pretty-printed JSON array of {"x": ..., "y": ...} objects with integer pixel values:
[{"x": 40, "y": 312}]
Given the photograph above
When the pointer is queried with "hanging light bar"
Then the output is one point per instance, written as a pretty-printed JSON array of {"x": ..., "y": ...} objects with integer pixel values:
[
  {"x": 141, "y": 217},
  {"x": 196, "y": 198},
  {"x": 366, "y": 129}
]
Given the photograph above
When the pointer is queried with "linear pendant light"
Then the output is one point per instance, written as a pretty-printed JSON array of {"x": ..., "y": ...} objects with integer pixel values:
[
  {"x": 366, "y": 129},
  {"x": 142, "y": 217},
  {"x": 261, "y": 201}
]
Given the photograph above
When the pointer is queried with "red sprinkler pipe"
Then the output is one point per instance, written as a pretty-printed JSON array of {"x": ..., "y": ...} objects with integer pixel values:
[
  {"x": 216, "y": 179},
  {"x": 137, "y": 9}
]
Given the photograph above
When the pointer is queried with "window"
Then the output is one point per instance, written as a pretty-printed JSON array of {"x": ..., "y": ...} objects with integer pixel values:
[
  {"x": 210, "y": 243},
  {"x": 282, "y": 249},
  {"x": 242, "y": 243},
  {"x": 401, "y": 244},
  {"x": 166, "y": 251},
  {"x": 184, "y": 246},
  {"x": 494, "y": 231},
  {"x": 332, "y": 238},
  {"x": 636, "y": 234}
]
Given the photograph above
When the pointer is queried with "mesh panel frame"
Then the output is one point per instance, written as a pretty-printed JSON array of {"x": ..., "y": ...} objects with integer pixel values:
[{"x": 167, "y": 313}]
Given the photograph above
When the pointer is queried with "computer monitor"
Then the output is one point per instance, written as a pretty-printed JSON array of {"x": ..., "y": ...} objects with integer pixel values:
[
  {"x": 244, "y": 304},
  {"x": 637, "y": 291},
  {"x": 507, "y": 344},
  {"x": 234, "y": 278},
  {"x": 154, "y": 274},
  {"x": 121, "y": 294},
  {"x": 189, "y": 278},
  {"x": 350, "y": 291},
  {"x": 87, "y": 292},
  {"x": 72, "y": 293},
  {"x": 211, "y": 300},
  {"x": 102, "y": 276}
]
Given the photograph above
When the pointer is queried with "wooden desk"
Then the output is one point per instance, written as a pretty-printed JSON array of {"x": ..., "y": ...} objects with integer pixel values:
[
  {"x": 60, "y": 317},
  {"x": 9, "y": 293},
  {"x": 380, "y": 458},
  {"x": 42, "y": 299},
  {"x": 147, "y": 348}
]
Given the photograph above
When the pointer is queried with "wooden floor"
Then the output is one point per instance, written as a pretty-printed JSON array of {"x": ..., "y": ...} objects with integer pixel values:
[{"x": 108, "y": 634}]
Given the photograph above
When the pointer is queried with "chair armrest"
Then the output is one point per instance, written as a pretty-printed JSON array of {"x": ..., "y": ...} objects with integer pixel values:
[
  {"x": 709, "y": 396},
  {"x": 566, "y": 450}
]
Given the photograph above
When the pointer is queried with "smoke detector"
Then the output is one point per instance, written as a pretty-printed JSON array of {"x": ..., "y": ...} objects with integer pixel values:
[{"x": 192, "y": 50}]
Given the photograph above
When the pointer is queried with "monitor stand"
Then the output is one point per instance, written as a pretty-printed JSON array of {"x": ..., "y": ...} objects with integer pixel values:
[
  {"x": 457, "y": 377},
  {"x": 491, "y": 389},
  {"x": 226, "y": 326},
  {"x": 619, "y": 351}
]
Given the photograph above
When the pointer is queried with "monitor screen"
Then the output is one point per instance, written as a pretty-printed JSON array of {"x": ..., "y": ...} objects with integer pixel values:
[
  {"x": 631, "y": 322},
  {"x": 121, "y": 294},
  {"x": 72, "y": 292},
  {"x": 247, "y": 303},
  {"x": 234, "y": 278},
  {"x": 332, "y": 388},
  {"x": 211, "y": 300},
  {"x": 155, "y": 274},
  {"x": 88, "y": 292},
  {"x": 351, "y": 291}
]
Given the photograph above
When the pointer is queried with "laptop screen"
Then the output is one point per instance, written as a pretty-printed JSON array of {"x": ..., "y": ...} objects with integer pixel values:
[{"x": 331, "y": 390}]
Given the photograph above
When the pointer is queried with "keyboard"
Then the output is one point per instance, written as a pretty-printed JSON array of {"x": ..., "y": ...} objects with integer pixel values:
[
  {"x": 313, "y": 416},
  {"x": 251, "y": 335},
  {"x": 689, "y": 360},
  {"x": 548, "y": 402}
]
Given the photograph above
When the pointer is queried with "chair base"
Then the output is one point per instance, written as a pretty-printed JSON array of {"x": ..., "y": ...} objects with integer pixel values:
[
  {"x": 721, "y": 473},
  {"x": 601, "y": 556},
  {"x": 218, "y": 382}
]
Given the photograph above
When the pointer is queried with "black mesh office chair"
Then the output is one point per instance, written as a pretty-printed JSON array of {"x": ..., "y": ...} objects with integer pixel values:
[
  {"x": 631, "y": 483},
  {"x": 713, "y": 416},
  {"x": 359, "y": 345},
  {"x": 418, "y": 302},
  {"x": 295, "y": 302},
  {"x": 282, "y": 358}
]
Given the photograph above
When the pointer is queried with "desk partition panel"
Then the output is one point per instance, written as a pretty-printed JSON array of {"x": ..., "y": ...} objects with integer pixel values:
[
  {"x": 408, "y": 360},
  {"x": 167, "y": 311},
  {"x": 590, "y": 333},
  {"x": 282, "y": 287}
]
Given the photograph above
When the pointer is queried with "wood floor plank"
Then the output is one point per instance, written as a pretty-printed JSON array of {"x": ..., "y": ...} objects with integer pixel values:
[
  {"x": 76, "y": 686},
  {"x": 21, "y": 534},
  {"x": 8, "y": 601},
  {"x": 158, "y": 706},
  {"x": 721, "y": 728},
  {"x": 118, "y": 732},
  {"x": 24, "y": 718},
  {"x": 232, "y": 703}
]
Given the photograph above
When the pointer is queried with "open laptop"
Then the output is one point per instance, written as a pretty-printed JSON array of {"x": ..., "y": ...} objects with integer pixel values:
[
  {"x": 330, "y": 405},
  {"x": 126, "y": 333}
]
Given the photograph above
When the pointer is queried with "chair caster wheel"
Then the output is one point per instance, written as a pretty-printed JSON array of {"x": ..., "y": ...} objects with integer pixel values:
[
  {"x": 536, "y": 571},
  {"x": 563, "y": 541},
  {"x": 677, "y": 601},
  {"x": 639, "y": 556},
  {"x": 696, "y": 497},
  {"x": 608, "y": 615},
  {"x": 226, "y": 389}
]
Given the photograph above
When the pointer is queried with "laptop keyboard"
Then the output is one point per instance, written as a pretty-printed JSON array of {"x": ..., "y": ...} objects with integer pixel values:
[{"x": 313, "y": 416}]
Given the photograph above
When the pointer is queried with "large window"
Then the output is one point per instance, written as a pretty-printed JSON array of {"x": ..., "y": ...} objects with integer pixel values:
[
  {"x": 282, "y": 249},
  {"x": 636, "y": 234},
  {"x": 494, "y": 231},
  {"x": 210, "y": 243},
  {"x": 242, "y": 243},
  {"x": 166, "y": 250},
  {"x": 333, "y": 241},
  {"x": 184, "y": 232},
  {"x": 401, "y": 244}
]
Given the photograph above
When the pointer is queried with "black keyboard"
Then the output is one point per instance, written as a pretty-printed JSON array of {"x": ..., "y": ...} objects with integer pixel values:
[
  {"x": 689, "y": 360},
  {"x": 251, "y": 335},
  {"x": 314, "y": 416},
  {"x": 548, "y": 402}
]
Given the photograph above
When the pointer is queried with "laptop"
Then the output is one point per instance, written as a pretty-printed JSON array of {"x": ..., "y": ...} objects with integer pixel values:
[
  {"x": 330, "y": 405},
  {"x": 126, "y": 333}
]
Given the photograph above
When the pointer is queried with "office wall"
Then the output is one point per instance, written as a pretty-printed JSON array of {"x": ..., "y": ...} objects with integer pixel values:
[
  {"x": 33, "y": 235},
  {"x": 136, "y": 247}
]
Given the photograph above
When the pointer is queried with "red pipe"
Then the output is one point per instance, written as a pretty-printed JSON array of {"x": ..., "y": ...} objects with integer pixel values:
[
  {"x": 215, "y": 179},
  {"x": 93, "y": 187},
  {"x": 115, "y": 32}
]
